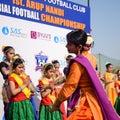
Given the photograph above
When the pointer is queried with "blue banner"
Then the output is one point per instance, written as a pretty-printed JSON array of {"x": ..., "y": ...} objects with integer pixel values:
[{"x": 58, "y": 13}]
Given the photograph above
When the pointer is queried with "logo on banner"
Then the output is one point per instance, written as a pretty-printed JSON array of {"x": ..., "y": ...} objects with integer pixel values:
[
  {"x": 40, "y": 35},
  {"x": 13, "y": 31},
  {"x": 59, "y": 39},
  {"x": 41, "y": 59},
  {"x": 5, "y": 30},
  {"x": 33, "y": 35}
]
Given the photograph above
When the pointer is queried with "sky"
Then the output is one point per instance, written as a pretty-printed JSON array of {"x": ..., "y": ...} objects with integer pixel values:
[{"x": 105, "y": 25}]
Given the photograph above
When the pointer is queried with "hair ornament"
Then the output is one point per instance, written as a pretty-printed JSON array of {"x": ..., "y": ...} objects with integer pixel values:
[
  {"x": 107, "y": 63},
  {"x": 46, "y": 65},
  {"x": 3, "y": 47},
  {"x": 16, "y": 56},
  {"x": 89, "y": 39}
]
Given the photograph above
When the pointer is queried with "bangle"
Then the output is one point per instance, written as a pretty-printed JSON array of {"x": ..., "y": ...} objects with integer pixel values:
[{"x": 20, "y": 88}]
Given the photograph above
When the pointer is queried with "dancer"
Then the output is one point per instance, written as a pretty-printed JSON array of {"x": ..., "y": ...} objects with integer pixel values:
[
  {"x": 48, "y": 94},
  {"x": 86, "y": 53},
  {"x": 58, "y": 76},
  {"x": 21, "y": 89},
  {"x": 109, "y": 80},
  {"x": 117, "y": 87},
  {"x": 56, "y": 65},
  {"x": 93, "y": 103},
  {"x": 5, "y": 67},
  {"x": 68, "y": 58}
]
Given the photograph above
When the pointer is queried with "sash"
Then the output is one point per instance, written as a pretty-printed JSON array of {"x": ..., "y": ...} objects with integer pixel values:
[
  {"x": 52, "y": 95},
  {"x": 117, "y": 82},
  {"x": 108, "y": 111},
  {"x": 19, "y": 81}
]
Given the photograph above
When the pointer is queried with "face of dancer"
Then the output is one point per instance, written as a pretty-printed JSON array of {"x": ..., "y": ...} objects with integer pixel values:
[
  {"x": 76, "y": 41},
  {"x": 72, "y": 48},
  {"x": 49, "y": 73},
  {"x": 110, "y": 68},
  {"x": 57, "y": 66},
  {"x": 10, "y": 54},
  {"x": 19, "y": 69}
]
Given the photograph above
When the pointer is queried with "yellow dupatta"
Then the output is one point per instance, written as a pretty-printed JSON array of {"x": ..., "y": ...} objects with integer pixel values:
[
  {"x": 19, "y": 81},
  {"x": 51, "y": 96},
  {"x": 118, "y": 81}
]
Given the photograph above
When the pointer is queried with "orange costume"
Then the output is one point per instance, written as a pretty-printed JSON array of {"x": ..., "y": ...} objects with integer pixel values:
[
  {"x": 88, "y": 107},
  {"x": 110, "y": 89}
]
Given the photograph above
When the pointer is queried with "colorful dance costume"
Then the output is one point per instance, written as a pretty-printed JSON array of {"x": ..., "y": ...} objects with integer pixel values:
[
  {"x": 93, "y": 103},
  {"x": 72, "y": 101},
  {"x": 5, "y": 89},
  {"x": 20, "y": 107},
  {"x": 47, "y": 102},
  {"x": 117, "y": 102},
  {"x": 110, "y": 89}
]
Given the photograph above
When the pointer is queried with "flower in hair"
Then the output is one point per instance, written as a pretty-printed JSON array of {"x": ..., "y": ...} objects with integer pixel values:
[{"x": 3, "y": 47}]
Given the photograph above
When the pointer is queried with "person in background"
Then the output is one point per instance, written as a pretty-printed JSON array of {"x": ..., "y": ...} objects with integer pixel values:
[
  {"x": 56, "y": 65},
  {"x": 32, "y": 87},
  {"x": 1, "y": 100},
  {"x": 59, "y": 76},
  {"x": 67, "y": 58},
  {"x": 37, "y": 98},
  {"x": 48, "y": 94},
  {"x": 21, "y": 90},
  {"x": 65, "y": 71},
  {"x": 109, "y": 80},
  {"x": 93, "y": 103},
  {"x": 5, "y": 67},
  {"x": 117, "y": 87}
]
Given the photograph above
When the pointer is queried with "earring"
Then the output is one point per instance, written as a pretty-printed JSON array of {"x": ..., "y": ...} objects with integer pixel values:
[{"x": 79, "y": 52}]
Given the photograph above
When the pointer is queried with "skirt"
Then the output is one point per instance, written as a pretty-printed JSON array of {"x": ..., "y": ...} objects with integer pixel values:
[
  {"x": 117, "y": 105},
  {"x": 21, "y": 110},
  {"x": 46, "y": 115}
]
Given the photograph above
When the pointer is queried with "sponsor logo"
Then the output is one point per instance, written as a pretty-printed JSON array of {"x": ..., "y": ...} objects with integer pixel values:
[
  {"x": 13, "y": 31},
  {"x": 40, "y": 35},
  {"x": 59, "y": 39},
  {"x": 41, "y": 59},
  {"x": 5, "y": 30},
  {"x": 33, "y": 35}
]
